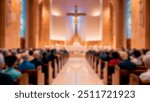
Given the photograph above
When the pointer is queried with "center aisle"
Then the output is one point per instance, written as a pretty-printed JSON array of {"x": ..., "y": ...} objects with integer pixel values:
[{"x": 77, "y": 72}]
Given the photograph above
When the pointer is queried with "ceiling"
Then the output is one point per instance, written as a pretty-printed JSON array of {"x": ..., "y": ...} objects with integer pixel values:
[{"x": 62, "y": 26}]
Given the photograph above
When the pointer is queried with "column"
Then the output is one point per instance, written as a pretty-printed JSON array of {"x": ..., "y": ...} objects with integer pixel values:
[
  {"x": 106, "y": 18},
  {"x": 2, "y": 24},
  {"x": 32, "y": 36},
  {"x": 44, "y": 23},
  {"x": 147, "y": 21},
  {"x": 10, "y": 11},
  {"x": 118, "y": 23}
]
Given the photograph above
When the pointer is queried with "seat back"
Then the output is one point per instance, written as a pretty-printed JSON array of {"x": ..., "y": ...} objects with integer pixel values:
[
  {"x": 40, "y": 76},
  {"x": 23, "y": 79}
]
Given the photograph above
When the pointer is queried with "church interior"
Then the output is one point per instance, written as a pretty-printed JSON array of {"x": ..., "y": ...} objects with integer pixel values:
[{"x": 74, "y": 42}]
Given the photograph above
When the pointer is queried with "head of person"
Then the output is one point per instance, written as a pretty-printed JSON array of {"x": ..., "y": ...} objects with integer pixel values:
[
  {"x": 148, "y": 53},
  {"x": 123, "y": 55},
  {"x": 10, "y": 61},
  {"x": 136, "y": 54},
  {"x": 25, "y": 56},
  {"x": 115, "y": 55},
  {"x": 2, "y": 61},
  {"x": 146, "y": 60},
  {"x": 36, "y": 54}
]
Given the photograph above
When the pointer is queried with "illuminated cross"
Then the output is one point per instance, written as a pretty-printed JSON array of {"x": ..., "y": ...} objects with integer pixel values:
[{"x": 76, "y": 14}]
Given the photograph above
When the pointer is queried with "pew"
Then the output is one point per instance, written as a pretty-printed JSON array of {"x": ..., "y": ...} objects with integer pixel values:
[
  {"x": 105, "y": 73},
  {"x": 123, "y": 75},
  {"x": 55, "y": 67},
  {"x": 108, "y": 70},
  {"x": 135, "y": 80},
  {"x": 94, "y": 63},
  {"x": 23, "y": 79},
  {"x": 40, "y": 76},
  {"x": 99, "y": 68},
  {"x": 50, "y": 73},
  {"x": 36, "y": 76}
]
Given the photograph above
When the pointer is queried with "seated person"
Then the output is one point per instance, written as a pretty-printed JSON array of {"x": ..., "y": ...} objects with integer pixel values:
[
  {"x": 44, "y": 58},
  {"x": 26, "y": 65},
  {"x": 10, "y": 62},
  {"x": 126, "y": 63},
  {"x": 146, "y": 75},
  {"x": 136, "y": 58},
  {"x": 37, "y": 61},
  {"x": 6, "y": 79},
  {"x": 52, "y": 56},
  {"x": 115, "y": 59},
  {"x": 31, "y": 55},
  {"x": 2, "y": 61}
]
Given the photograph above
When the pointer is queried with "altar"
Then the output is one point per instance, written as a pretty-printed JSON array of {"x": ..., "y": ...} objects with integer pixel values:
[{"x": 77, "y": 50}]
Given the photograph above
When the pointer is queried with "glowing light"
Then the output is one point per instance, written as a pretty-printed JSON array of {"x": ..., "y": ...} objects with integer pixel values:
[
  {"x": 58, "y": 38},
  {"x": 96, "y": 13},
  {"x": 40, "y": 1},
  {"x": 56, "y": 13}
]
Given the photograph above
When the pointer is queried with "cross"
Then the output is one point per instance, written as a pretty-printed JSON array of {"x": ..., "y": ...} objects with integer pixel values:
[{"x": 76, "y": 14}]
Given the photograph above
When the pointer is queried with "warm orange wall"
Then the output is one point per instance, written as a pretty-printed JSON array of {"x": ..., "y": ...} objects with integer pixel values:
[
  {"x": 12, "y": 33},
  {"x": 138, "y": 31}
]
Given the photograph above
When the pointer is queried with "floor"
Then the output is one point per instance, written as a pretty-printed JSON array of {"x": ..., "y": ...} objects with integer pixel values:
[{"x": 77, "y": 72}]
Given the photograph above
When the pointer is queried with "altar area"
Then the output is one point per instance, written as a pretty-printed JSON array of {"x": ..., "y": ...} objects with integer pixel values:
[{"x": 77, "y": 50}]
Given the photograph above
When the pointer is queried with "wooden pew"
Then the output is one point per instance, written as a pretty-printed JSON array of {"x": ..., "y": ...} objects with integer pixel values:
[
  {"x": 95, "y": 63},
  {"x": 40, "y": 76},
  {"x": 50, "y": 73},
  {"x": 135, "y": 80},
  {"x": 121, "y": 73},
  {"x": 99, "y": 68},
  {"x": 55, "y": 67},
  {"x": 36, "y": 76},
  {"x": 108, "y": 70},
  {"x": 105, "y": 73},
  {"x": 23, "y": 79}
]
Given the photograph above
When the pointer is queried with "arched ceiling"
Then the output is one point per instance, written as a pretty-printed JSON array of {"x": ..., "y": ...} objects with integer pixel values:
[{"x": 62, "y": 26}]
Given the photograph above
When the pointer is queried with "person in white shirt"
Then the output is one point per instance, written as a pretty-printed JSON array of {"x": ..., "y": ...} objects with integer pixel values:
[
  {"x": 136, "y": 58},
  {"x": 2, "y": 61},
  {"x": 146, "y": 75}
]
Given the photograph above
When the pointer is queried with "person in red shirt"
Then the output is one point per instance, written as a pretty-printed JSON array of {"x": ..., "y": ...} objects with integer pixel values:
[{"x": 115, "y": 58}]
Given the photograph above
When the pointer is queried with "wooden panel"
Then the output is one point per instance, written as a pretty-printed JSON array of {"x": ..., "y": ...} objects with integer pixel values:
[{"x": 2, "y": 23}]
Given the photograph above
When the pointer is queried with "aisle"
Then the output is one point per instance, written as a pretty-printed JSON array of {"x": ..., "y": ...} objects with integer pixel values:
[{"x": 77, "y": 72}]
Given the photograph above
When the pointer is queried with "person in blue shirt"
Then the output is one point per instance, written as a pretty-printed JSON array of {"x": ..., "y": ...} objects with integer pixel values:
[
  {"x": 26, "y": 65},
  {"x": 10, "y": 62}
]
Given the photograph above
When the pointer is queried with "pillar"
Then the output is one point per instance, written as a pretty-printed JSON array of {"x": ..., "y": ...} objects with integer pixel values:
[
  {"x": 2, "y": 24},
  {"x": 10, "y": 11},
  {"x": 118, "y": 23},
  {"x": 32, "y": 36},
  {"x": 44, "y": 23},
  {"x": 106, "y": 29}
]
